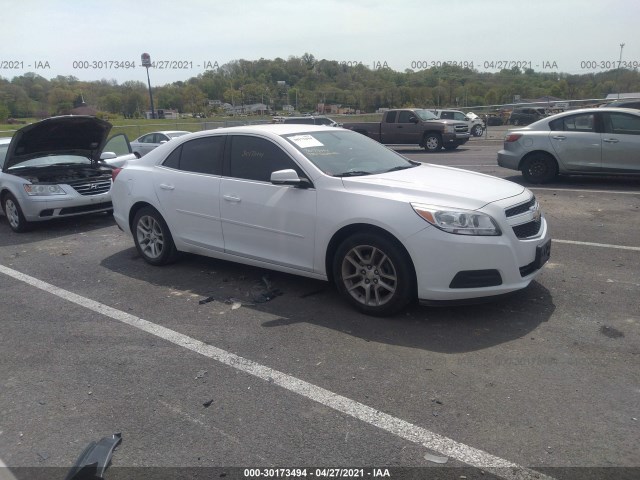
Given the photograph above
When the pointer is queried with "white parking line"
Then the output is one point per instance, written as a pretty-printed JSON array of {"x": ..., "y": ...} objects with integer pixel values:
[
  {"x": 396, "y": 426},
  {"x": 602, "y": 245}
]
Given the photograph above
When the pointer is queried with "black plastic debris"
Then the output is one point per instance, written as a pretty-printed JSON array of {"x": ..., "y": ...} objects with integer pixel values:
[
  {"x": 208, "y": 403},
  {"x": 206, "y": 300},
  {"x": 95, "y": 459}
]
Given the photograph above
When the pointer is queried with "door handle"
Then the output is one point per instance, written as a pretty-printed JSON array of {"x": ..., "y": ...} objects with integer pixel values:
[
  {"x": 559, "y": 137},
  {"x": 610, "y": 140},
  {"x": 231, "y": 198},
  {"x": 164, "y": 186}
]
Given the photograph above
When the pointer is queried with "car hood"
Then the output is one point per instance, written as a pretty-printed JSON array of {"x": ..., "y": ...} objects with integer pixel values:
[
  {"x": 68, "y": 135},
  {"x": 436, "y": 185}
]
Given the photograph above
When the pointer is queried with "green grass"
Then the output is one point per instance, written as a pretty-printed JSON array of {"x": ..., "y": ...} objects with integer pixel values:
[{"x": 133, "y": 128}]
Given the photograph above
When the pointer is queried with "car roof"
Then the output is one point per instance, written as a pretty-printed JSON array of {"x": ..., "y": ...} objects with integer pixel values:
[{"x": 267, "y": 128}]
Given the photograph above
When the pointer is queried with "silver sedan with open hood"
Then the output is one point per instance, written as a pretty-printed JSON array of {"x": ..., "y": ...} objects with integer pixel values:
[{"x": 52, "y": 169}]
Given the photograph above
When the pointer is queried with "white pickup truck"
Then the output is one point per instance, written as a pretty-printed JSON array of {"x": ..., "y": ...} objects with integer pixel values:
[{"x": 475, "y": 123}]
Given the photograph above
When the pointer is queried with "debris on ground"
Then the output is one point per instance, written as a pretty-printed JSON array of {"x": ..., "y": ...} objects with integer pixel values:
[
  {"x": 435, "y": 458},
  {"x": 208, "y": 403},
  {"x": 201, "y": 374}
]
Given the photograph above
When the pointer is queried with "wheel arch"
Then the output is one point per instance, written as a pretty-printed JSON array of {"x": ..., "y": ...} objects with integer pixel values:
[
  {"x": 348, "y": 230},
  {"x": 135, "y": 208},
  {"x": 539, "y": 152}
]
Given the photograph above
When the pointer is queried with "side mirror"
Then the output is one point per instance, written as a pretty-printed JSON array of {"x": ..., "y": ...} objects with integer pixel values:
[
  {"x": 163, "y": 141},
  {"x": 107, "y": 156},
  {"x": 286, "y": 177},
  {"x": 413, "y": 120}
]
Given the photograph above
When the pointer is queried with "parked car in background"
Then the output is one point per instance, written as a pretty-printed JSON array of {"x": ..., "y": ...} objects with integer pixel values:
[
  {"x": 526, "y": 115},
  {"x": 475, "y": 123},
  {"x": 332, "y": 204},
  {"x": 625, "y": 103},
  {"x": 311, "y": 120},
  {"x": 591, "y": 141},
  {"x": 493, "y": 120},
  {"x": 147, "y": 142},
  {"x": 52, "y": 169}
]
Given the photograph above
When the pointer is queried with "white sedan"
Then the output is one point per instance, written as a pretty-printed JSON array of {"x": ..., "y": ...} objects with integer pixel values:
[
  {"x": 331, "y": 204},
  {"x": 147, "y": 142}
]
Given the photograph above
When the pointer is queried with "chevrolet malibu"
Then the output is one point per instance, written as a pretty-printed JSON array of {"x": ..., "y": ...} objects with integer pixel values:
[{"x": 334, "y": 205}]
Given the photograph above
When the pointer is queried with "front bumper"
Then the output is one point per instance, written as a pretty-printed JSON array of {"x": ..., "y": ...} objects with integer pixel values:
[
  {"x": 37, "y": 209},
  {"x": 457, "y": 138},
  {"x": 440, "y": 257}
]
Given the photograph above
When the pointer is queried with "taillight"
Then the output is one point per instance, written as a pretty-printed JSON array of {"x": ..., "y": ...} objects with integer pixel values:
[
  {"x": 512, "y": 137},
  {"x": 114, "y": 173}
]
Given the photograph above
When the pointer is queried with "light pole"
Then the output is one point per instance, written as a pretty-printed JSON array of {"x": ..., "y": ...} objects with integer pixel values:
[
  {"x": 618, "y": 69},
  {"x": 146, "y": 62}
]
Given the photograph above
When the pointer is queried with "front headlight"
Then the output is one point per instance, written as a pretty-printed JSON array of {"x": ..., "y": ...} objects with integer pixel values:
[
  {"x": 39, "y": 190},
  {"x": 459, "y": 222},
  {"x": 450, "y": 129}
]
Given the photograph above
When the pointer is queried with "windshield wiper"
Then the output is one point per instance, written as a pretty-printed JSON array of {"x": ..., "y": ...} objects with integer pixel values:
[
  {"x": 400, "y": 167},
  {"x": 354, "y": 173}
]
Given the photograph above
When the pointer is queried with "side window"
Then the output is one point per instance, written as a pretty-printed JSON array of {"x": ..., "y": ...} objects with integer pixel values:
[
  {"x": 446, "y": 115},
  {"x": 622, "y": 123},
  {"x": 574, "y": 123},
  {"x": 254, "y": 158},
  {"x": 391, "y": 117},
  {"x": 203, "y": 155},
  {"x": 3, "y": 154},
  {"x": 459, "y": 116},
  {"x": 405, "y": 116},
  {"x": 118, "y": 144},
  {"x": 147, "y": 138}
]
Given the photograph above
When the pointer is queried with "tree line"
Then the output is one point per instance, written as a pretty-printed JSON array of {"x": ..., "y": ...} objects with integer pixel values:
[{"x": 304, "y": 82}]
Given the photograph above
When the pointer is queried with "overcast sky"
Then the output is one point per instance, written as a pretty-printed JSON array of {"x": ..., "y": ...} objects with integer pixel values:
[{"x": 84, "y": 38}]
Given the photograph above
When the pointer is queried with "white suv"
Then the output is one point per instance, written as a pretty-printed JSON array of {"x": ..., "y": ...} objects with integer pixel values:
[{"x": 475, "y": 123}]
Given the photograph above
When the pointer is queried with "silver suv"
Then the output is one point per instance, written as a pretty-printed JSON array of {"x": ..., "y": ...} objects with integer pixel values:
[{"x": 475, "y": 123}]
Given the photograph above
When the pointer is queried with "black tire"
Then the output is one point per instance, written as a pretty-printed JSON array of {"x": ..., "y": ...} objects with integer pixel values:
[
  {"x": 477, "y": 130},
  {"x": 152, "y": 237},
  {"x": 14, "y": 214},
  {"x": 432, "y": 142},
  {"x": 374, "y": 274},
  {"x": 539, "y": 168}
]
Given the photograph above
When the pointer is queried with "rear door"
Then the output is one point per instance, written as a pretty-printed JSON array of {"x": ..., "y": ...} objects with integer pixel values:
[
  {"x": 188, "y": 187},
  {"x": 577, "y": 142}
]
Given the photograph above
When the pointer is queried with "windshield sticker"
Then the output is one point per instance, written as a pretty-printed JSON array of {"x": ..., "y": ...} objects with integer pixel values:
[{"x": 305, "y": 141}]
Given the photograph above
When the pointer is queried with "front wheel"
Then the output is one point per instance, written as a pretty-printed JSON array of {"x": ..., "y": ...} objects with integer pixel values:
[
  {"x": 14, "y": 214},
  {"x": 373, "y": 274},
  {"x": 432, "y": 142},
  {"x": 152, "y": 237},
  {"x": 539, "y": 168},
  {"x": 477, "y": 130}
]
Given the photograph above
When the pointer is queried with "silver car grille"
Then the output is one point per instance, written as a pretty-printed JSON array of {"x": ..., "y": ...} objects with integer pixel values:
[
  {"x": 462, "y": 128},
  {"x": 95, "y": 187},
  {"x": 525, "y": 218}
]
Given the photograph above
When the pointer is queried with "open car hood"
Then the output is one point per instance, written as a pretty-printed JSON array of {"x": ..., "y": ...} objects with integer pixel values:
[{"x": 67, "y": 135}]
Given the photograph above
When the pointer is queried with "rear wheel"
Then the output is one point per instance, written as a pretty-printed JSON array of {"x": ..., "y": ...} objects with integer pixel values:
[
  {"x": 152, "y": 237},
  {"x": 539, "y": 168},
  {"x": 432, "y": 142},
  {"x": 373, "y": 274},
  {"x": 14, "y": 214}
]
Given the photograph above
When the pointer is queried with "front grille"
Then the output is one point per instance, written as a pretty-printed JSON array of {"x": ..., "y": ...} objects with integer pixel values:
[
  {"x": 522, "y": 208},
  {"x": 96, "y": 207},
  {"x": 92, "y": 187},
  {"x": 462, "y": 128},
  {"x": 529, "y": 229}
]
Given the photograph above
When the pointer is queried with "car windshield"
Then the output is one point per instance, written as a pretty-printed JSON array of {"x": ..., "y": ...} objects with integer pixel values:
[
  {"x": 344, "y": 153},
  {"x": 426, "y": 115},
  {"x": 52, "y": 160}
]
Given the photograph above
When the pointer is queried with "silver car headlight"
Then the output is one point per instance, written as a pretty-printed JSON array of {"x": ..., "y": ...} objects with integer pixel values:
[
  {"x": 450, "y": 129},
  {"x": 38, "y": 190},
  {"x": 459, "y": 222}
]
